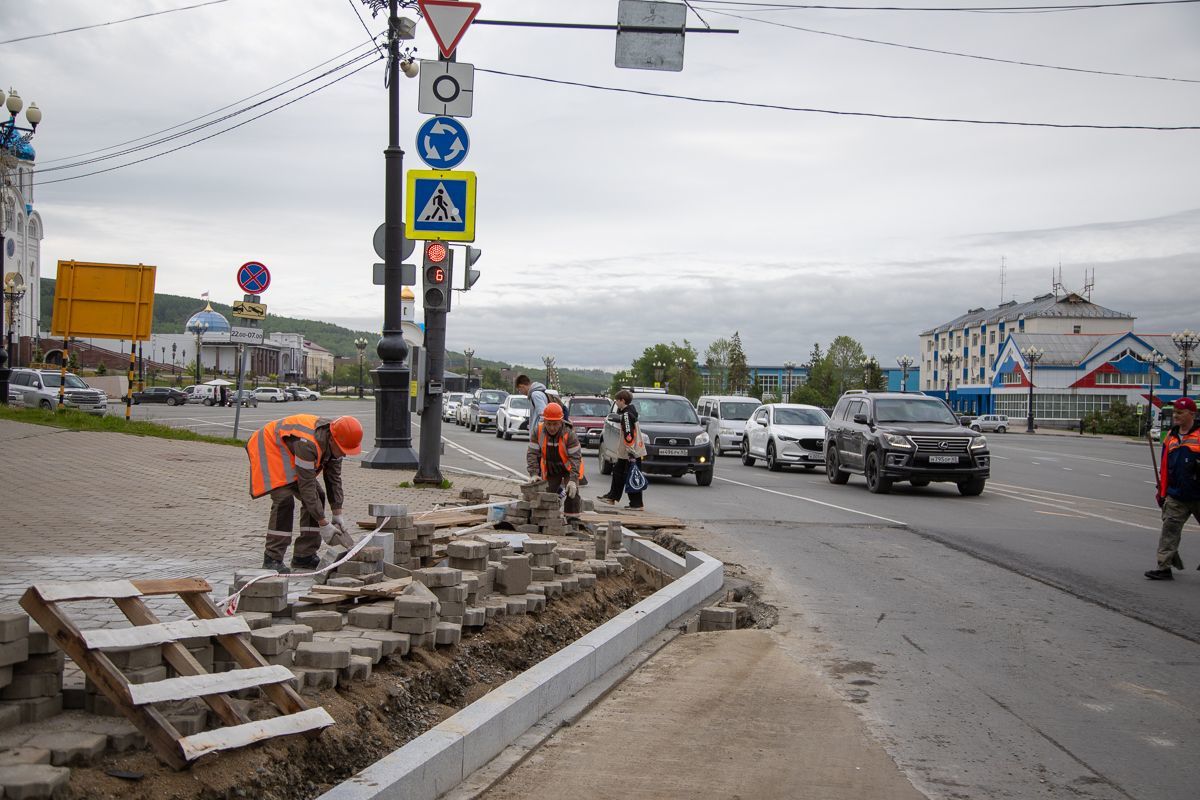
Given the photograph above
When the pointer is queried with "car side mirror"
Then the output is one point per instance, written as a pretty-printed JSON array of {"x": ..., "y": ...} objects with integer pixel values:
[
  {"x": 761, "y": 422},
  {"x": 862, "y": 419},
  {"x": 614, "y": 417}
]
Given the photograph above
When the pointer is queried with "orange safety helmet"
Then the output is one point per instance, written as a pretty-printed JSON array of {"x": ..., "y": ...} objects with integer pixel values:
[
  {"x": 553, "y": 412},
  {"x": 347, "y": 433}
]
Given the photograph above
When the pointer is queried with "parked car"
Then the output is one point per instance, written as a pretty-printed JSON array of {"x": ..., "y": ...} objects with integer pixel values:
[
  {"x": 39, "y": 389},
  {"x": 889, "y": 437},
  {"x": 676, "y": 441},
  {"x": 512, "y": 418},
  {"x": 160, "y": 394},
  {"x": 463, "y": 413},
  {"x": 202, "y": 393},
  {"x": 724, "y": 418},
  {"x": 302, "y": 393},
  {"x": 270, "y": 394},
  {"x": 990, "y": 422},
  {"x": 587, "y": 418},
  {"x": 245, "y": 397},
  {"x": 450, "y": 403},
  {"x": 785, "y": 434},
  {"x": 483, "y": 408}
]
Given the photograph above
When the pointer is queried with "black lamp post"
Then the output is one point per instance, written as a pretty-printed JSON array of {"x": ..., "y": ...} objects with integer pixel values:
[
  {"x": 1186, "y": 341},
  {"x": 789, "y": 367},
  {"x": 905, "y": 363},
  {"x": 199, "y": 328},
  {"x": 1154, "y": 360},
  {"x": 1032, "y": 355},
  {"x": 682, "y": 363},
  {"x": 659, "y": 369},
  {"x": 469, "y": 354},
  {"x": 361, "y": 344},
  {"x": 947, "y": 360},
  {"x": 14, "y": 290}
]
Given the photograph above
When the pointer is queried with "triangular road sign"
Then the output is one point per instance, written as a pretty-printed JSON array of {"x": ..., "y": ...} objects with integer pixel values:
[
  {"x": 439, "y": 207},
  {"x": 449, "y": 20}
]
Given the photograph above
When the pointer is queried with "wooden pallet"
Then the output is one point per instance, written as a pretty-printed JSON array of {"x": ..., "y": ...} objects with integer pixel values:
[{"x": 86, "y": 648}]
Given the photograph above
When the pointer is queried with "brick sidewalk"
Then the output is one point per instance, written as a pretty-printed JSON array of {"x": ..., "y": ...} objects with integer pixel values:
[{"x": 93, "y": 506}]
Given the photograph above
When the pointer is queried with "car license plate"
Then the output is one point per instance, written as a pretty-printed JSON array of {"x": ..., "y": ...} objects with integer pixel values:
[
  {"x": 672, "y": 451},
  {"x": 943, "y": 459}
]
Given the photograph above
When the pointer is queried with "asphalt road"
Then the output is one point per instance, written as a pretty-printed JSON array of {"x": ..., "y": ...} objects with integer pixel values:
[{"x": 1000, "y": 646}]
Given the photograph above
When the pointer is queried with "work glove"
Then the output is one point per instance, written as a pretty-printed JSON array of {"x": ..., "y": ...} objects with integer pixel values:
[
  {"x": 339, "y": 522},
  {"x": 329, "y": 532},
  {"x": 572, "y": 489}
]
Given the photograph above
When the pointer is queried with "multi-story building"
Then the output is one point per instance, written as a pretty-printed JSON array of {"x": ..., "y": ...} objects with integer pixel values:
[
  {"x": 319, "y": 361},
  {"x": 22, "y": 228}
]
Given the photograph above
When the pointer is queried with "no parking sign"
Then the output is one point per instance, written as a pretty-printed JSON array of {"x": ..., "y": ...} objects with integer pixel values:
[{"x": 254, "y": 277}]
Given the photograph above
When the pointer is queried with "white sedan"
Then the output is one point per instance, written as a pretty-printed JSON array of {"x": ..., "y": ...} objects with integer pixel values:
[
  {"x": 512, "y": 415},
  {"x": 785, "y": 434}
]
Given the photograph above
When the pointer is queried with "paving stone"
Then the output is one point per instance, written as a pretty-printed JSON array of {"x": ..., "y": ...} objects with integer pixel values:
[
  {"x": 475, "y": 618},
  {"x": 369, "y": 554},
  {"x": 323, "y": 655},
  {"x": 33, "y": 781},
  {"x": 393, "y": 642},
  {"x": 387, "y": 510},
  {"x": 37, "y": 709},
  {"x": 24, "y": 755},
  {"x": 314, "y": 679},
  {"x": 418, "y": 589},
  {"x": 25, "y": 687},
  {"x": 465, "y": 548},
  {"x": 370, "y": 649},
  {"x": 414, "y": 625},
  {"x": 10, "y": 716},
  {"x": 514, "y": 575},
  {"x": 136, "y": 657},
  {"x": 541, "y": 573},
  {"x": 454, "y": 609},
  {"x": 438, "y": 576},
  {"x": 456, "y": 593},
  {"x": 345, "y": 583},
  {"x": 419, "y": 607},
  {"x": 100, "y": 705},
  {"x": 284, "y": 659},
  {"x": 191, "y": 722},
  {"x": 534, "y": 603},
  {"x": 120, "y": 733},
  {"x": 564, "y": 567},
  {"x": 586, "y": 581},
  {"x": 572, "y": 553},
  {"x": 716, "y": 618},
  {"x": 355, "y": 569},
  {"x": 553, "y": 589},
  {"x": 448, "y": 633},
  {"x": 14, "y": 626},
  {"x": 70, "y": 748},
  {"x": 515, "y": 605},
  {"x": 256, "y": 619},
  {"x": 14, "y": 651},
  {"x": 359, "y": 669},
  {"x": 273, "y": 640},
  {"x": 424, "y": 641},
  {"x": 6, "y": 675},
  {"x": 320, "y": 620},
  {"x": 267, "y": 587},
  {"x": 374, "y": 616},
  {"x": 146, "y": 675},
  {"x": 303, "y": 633},
  {"x": 570, "y": 584},
  {"x": 270, "y": 605}
]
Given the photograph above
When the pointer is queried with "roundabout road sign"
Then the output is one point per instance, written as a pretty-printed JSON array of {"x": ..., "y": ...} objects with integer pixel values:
[
  {"x": 253, "y": 277},
  {"x": 443, "y": 143}
]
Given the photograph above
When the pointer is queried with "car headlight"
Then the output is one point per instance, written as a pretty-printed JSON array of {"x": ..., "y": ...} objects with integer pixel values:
[
  {"x": 703, "y": 438},
  {"x": 784, "y": 438},
  {"x": 896, "y": 440},
  {"x": 979, "y": 442}
]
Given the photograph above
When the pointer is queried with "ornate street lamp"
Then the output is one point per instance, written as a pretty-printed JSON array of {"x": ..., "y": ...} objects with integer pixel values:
[
  {"x": 361, "y": 344},
  {"x": 1186, "y": 341},
  {"x": 14, "y": 290},
  {"x": 682, "y": 364},
  {"x": 198, "y": 328},
  {"x": 659, "y": 369},
  {"x": 551, "y": 374},
  {"x": 947, "y": 359},
  {"x": 469, "y": 353},
  {"x": 789, "y": 367},
  {"x": 173, "y": 358},
  {"x": 869, "y": 365},
  {"x": 14, "y": 145},
  {"x": 905, "y": 363},
  {"x": 1154, "y": 360},
  {"x": 1032, "y": 355}
]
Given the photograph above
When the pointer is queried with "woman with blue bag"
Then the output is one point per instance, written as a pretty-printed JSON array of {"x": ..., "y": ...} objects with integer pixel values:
[{"x": 631, "y": 449}]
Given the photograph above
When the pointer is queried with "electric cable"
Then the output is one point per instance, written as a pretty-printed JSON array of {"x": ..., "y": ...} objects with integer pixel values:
[
  {"x": 766, "y": 6},
  {"x": 363, "y": 22},
  {"x": 833, "y": 112},
  {"x": 110, "y": 22}
]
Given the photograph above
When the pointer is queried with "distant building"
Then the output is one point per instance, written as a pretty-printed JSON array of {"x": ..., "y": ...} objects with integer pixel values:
[
  {"x": 23, "y": 232},
  {"x": 319, "y": 361}
]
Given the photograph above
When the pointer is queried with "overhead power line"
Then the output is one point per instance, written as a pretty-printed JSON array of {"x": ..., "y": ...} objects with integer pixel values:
[
  {"x": 833, "y": 112},
  {"x": 111, "y": 22},
  {"x": 766, "y": 6},
  {"x": 953, "y": 52}
]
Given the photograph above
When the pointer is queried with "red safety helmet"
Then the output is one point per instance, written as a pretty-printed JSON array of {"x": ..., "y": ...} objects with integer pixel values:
[
  {"x": 347, "y": 432},
  {"x": 552, "y": 413}
]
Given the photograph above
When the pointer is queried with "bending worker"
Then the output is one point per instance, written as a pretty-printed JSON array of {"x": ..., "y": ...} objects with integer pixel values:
[
  {"x": 1178, "y": 486},
  {"x": 286, "y": 456},
  {"x": 554, "y": 454}
]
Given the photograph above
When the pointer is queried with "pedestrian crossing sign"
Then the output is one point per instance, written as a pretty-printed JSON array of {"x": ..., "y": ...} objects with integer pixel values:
[{"x": 440, "y": 204}]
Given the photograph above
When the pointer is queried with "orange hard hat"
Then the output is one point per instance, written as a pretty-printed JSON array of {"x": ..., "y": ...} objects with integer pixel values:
[
  {"x": 553, "y": 412},
  {"x": 348, "y": 433}
]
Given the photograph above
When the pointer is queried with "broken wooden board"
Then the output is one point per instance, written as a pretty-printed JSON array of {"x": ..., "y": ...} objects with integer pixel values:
[
  {"x": 444, "y": 518},
  {"x": 383, "y": 589},
  {"x": 322, "y": 599},
  {"x": 633, "y": 519}
]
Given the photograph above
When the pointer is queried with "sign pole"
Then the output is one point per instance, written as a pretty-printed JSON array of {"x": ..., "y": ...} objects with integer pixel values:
[{"x": 237, "y": 402}]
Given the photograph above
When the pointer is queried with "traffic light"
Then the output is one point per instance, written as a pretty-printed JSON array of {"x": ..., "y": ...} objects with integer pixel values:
[
  {"x": 438, "y": 267},
  {"x": 471, "y": 275}
]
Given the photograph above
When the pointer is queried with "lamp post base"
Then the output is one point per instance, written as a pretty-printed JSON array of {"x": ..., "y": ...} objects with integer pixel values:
[{"x": 393, "y": 438}]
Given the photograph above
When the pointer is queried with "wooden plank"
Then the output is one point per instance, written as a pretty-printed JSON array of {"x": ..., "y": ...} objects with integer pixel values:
[
  {"x": 322, "y": 599},
  {"x": 161, "y": 633},
  {"x": 85, "y": 590},
  {"x": 337, "y": 591},
  {"x": 173, "y": 586},
  {"x": 161, "y": 735},
  {"x": 310, "y": 721},
  {"x": 189, "y": 686},
  {"x": 182, "y": 660},
  {"x": 283, "y": 696},
  {"x": 385, "y": 588}
]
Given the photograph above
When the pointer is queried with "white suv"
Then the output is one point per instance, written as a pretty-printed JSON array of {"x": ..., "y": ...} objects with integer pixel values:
[
  {"x": 270, "y": 394},
  {"x": 39, "y": 388},
  {"x": 724, "y": 417},
  {"x": 990, "y": 422}
]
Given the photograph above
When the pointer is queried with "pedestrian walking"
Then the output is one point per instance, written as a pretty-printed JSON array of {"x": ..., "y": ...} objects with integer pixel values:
[
  {"x": 631, "y": 449},
  {"x": 1178, "y": 486},
  {"x": 555, "y": 455},
  {"x": 286, "y": 458},
  {"x": 538, "y": 396}
]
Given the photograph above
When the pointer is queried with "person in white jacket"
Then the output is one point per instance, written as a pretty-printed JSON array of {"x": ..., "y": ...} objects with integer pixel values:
[{"x": 631, "y": 449}]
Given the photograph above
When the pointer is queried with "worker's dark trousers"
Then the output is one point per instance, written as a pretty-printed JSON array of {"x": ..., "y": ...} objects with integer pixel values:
[
  {"x": 279, "y": 528},
  {"x": 572, "y": 506}
]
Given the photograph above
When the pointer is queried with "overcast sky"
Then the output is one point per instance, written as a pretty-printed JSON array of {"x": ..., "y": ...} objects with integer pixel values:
[{"x": 611, "y": 221}]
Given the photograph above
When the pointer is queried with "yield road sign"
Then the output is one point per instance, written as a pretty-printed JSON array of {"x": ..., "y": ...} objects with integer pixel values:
[
  {"x": 442, "y": 143},
  {"x": 448, "y": 20},
  {"x": 253, "y": 277},
  {"x": 447, "y": 89},
  {"x": 245, "y": 335},
  {"x": 246, "y": 310},
  {"x": 440, "y": 205}
]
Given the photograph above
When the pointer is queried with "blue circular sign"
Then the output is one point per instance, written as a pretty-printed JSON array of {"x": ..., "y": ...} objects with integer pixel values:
[
  {"x": 442, "y": 143},
  {"x": 253, "y": 277}
]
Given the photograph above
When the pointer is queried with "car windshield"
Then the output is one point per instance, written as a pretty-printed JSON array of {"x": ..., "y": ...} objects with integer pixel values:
[
  {"x": 913, "y": 411},
  {"x": 518, "y": 401},
  {"x": 589, "y": 408},
  {"x": 491, "y": 397},
  {"x": 665, "y": 409},
  {"x": 738, "y": 411},
  {"x": 50, "y": 381},
  {"x": 800, "y": 416}
]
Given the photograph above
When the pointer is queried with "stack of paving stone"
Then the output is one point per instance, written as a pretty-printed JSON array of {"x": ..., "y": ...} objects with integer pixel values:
[
  {"x": 447, "y": 586},
  {"x": 267, "y": 596},
  {"x": 474, "y": 496},
  {"x": 538, "y": 511},
  {"x": 403, "y": 530},
  {"x": 31, "y": 672},
  {"x": 415, "y": 613},
  {"x": 365, "y": 567},
  {"x": 726, "y": 616}
]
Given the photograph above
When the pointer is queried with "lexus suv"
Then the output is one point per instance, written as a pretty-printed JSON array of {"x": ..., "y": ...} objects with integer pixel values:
[
  {"x": 676, "y": 442},
  {"x": 39, "y": 388},
  {"x": 888, "y": 437}
]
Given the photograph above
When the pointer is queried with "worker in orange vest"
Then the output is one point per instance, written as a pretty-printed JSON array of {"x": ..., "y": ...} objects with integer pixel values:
[
  {"x": 286, "y": 457},
  {"x": 1178, "y": 486},
  {"x": 555, "y": 455}
]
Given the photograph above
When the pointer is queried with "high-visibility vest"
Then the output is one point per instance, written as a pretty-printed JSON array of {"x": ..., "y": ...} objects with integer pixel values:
[
  {"x": 272, "y": 464},
  {"x": 562, "y": 450},
  {"x": 1173, "y": 442}
]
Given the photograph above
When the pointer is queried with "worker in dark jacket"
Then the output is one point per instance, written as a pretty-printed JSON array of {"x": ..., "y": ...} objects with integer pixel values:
[{"x": 1178, "y": 486}]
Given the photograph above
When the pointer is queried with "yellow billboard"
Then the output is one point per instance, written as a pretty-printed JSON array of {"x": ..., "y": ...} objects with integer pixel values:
[{"x": 105, "y": 301}]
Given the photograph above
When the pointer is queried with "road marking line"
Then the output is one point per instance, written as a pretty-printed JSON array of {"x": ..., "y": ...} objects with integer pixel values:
[
  {"x": 1014, "y": 487},
  {"x": 1015, "y": 496},
  {"x": 1056, "y": 456},
  {"x": 1102, "y": 475},
  {"x": 1068, "y": 469},
  {"x": 1056, "y": 514},
  {"x": 480, "y": 457},
  {"x": 810, "y": 500}
]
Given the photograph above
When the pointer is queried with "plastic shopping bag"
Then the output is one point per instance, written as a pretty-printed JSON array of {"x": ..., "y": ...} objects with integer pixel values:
[{"x": 635, "y": 480}]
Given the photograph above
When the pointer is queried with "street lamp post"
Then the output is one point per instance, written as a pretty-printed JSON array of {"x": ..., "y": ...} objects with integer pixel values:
[
  {"x": 682, "y": 364},
  {"x": 14, "y": 290},
  {"x": 199, "y": 329},
  {"x": 659, "y": 369},
  {"x": 1154, "y": 360},
  {"x": 1032, "y": 355},
  {"x": 173, "y": 358},
  {"x": 789, "y": 367},
  {"x": 905, "y": 363},
  {"x": 361, "y": 345},
  {"x": 869, "y": 365},
  {"x": 469, "y": 353},
  {"x": 551, "y": 374},
  {"x": 947, "y": 359},
  {"x": 1186, "y": 341}
]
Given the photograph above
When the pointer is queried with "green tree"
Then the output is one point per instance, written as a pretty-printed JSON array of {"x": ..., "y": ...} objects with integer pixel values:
[
  {"x": 492, "y": 379},
  {"x": 756, "y": 390},
  {"x": 1121, "y": 419},
  {"x": 685, "y": 380},
  {"x": 739, "y": 370},
  {"x": 716, "y": 358},
  {"x": 845, "y": 364},
  {"x": 101, "y": 369},
  {"x": 819, "y": 389}
]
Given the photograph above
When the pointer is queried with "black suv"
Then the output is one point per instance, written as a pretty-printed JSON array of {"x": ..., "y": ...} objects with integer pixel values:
[{"x": 889, "y": 437}]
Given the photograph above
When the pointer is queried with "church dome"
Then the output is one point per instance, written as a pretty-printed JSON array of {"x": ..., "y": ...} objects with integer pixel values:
[
  {"x": 23, "y": 150},
  {"x": 216, "y": 322}
]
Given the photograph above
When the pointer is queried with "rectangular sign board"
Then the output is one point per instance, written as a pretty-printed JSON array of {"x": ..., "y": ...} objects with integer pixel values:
[
  {"x": 105, "y": 301},
  {"x": 440, "y": 204},
  {"x": 246, "y": 335},
  {"x": 246, "y": 310},
  {"x": 650, "y": 35}
]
